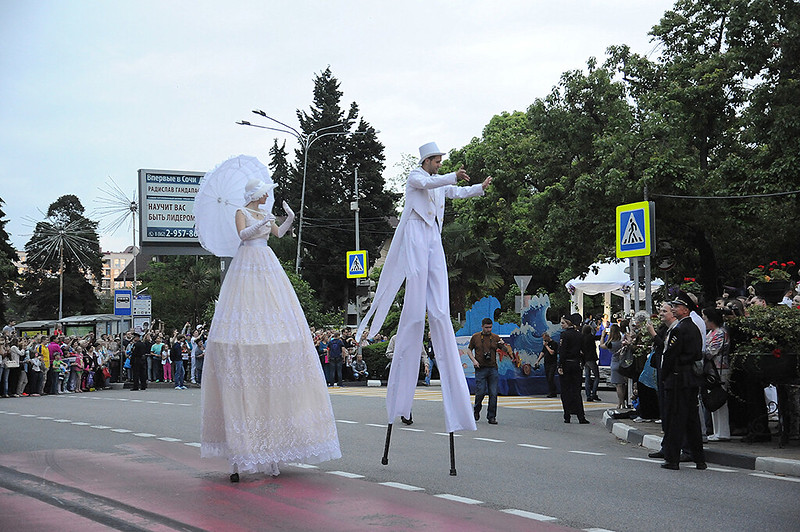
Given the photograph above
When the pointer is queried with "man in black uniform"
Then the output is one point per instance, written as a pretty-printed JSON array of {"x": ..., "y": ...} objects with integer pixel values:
[
  {"x": 139, "y": 353},
  {"x": 570, "y": 368},
  {"x": 681, "y": 387}
]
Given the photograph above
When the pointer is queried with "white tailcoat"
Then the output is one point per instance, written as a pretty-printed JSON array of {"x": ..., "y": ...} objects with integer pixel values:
[{"x": 416, "y": 256}]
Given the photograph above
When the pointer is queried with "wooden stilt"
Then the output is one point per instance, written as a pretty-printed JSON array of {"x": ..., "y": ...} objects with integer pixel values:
[
  {"x": 385, "y": 459},
  {"x": 452, "y": 456}
]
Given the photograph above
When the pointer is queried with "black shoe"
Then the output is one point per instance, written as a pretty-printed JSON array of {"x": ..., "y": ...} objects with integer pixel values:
[
  {"x": 551, "y": 395},
  {"x": 701, "y": 465},
  {"x": 685, "y": 458},
  {"x": 406, "y": 421},
  {"x": 595, "y": 398},
  {"x": 583, "y": 421},
  {"x": 670, "y": 465},
  {"x": 493, "y": 421},
  {"x": 566, "y": 420},
  {"x": 656, "y": 454},
  {"x": 477, "y": 415},
  {"x": 235, "y": 477}
]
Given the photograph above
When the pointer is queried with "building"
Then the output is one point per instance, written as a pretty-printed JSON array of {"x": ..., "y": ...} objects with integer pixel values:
[{"x": 114, "y": 264}]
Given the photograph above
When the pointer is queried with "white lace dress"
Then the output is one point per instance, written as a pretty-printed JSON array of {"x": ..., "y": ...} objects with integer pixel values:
[{"x": 264, "y": 398}]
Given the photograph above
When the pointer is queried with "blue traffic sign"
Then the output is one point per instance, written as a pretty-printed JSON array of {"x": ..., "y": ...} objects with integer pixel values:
[
  {"x": 356, "y": 264},
  {"x": 634, "y": 231}
]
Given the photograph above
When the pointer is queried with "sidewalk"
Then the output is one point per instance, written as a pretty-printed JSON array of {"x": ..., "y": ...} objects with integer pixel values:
[{"x": 766, "y": 456}]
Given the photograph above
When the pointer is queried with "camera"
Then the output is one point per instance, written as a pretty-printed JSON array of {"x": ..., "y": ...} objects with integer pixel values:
[{"x": 487, "y": 357}]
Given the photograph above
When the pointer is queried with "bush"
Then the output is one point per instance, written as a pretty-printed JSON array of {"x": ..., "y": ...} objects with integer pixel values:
[{"x": 375, "y": 357}]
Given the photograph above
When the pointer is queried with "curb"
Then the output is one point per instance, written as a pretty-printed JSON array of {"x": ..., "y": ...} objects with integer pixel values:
[{"x": 769, "y": 464}]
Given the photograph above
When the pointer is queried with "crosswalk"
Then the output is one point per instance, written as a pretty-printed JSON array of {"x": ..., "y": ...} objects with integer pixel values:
[{"x": 541, "y": 404}]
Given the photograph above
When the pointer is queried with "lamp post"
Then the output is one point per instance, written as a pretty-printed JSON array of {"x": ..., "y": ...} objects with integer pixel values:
[{"x": 305, "y": 140}]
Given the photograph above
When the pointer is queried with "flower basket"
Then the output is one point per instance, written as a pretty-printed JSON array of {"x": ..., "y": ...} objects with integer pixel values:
[
  {"x": 772, "y": 291},
  {"x": 766, "y": 343}
]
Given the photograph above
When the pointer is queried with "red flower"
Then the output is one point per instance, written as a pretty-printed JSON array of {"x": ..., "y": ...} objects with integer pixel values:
[
  {"x": 776, "y": 353},
  {"x": 791, "y": 263},
  {"x": 773, "y": 263},
  {"x": 783, "y": 264},
  {"x": 760, "y": 266}
]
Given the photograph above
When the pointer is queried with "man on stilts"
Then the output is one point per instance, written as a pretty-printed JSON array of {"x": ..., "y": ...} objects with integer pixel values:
[{"x": 416, "y": 256}]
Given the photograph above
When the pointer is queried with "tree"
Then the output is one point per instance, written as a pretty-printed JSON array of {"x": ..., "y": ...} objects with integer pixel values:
[
  {"x": 328, "y": 222},
  {"x": 8, "y": 272},
  {"x": 65, "y": 245}
]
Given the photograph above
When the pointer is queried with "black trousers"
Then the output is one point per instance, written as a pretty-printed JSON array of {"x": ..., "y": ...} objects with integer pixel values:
[
  {"x": 683, "y": 422},
  {"x": 139, "y": 370},
  {"x": 571, "y": 381},
  {"x": 550, "y": 372}
]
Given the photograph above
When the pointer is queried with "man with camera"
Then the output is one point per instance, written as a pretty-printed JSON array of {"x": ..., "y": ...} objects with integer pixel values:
[{"x": 483, "y": 352}]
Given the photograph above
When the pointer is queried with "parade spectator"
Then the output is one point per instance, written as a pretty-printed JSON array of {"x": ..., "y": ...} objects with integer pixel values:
[
  {"x": 718, "y": 351},
  {"x": 22, "y": 381},
  {"x": 550, "y": 355},
  {"x": 199, "y": 356},
  {"x": 429, "y": 352},
  {"x": 336, "y": 354},
  {"x": 612, "y": 340},
  {"x": 591, "y": 370},
  {"x": 154, "y": 365},
  {"x": 360, "y": 368}
]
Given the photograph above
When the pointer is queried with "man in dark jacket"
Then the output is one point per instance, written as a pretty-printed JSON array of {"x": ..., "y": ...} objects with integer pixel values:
[
  {"x": 139, "y": 353},
  {"x": 570, "y": 368},
  {"x": 681, "y": 387}
]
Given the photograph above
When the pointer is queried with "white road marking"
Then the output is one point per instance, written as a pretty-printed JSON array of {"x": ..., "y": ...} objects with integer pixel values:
[
  {"x": 121, "y": 431},
  {"x": 169, "y": 439},
  {"x": 99, "y": 427},
  {"x": 398, "y": 485},
  {"x": 411, "y": 430},
  {"x": 774, "y": 477},
  {"x": 192, "y": 444},
  {"x": 531, "y": 446},
  {"x": 489, "y": 440},
  {"x": 447, "y": 434},
  {"x": 375, "y": 425},
  {"x": 345, "y": 474},
  {"x": 144, "y": 434},
  {"x": 63, "y": 420},
  {"x": 648, "y": 460},
  {"x": 456, "y": 498},
  {"x": 44, "y": 417},
  {"x": 79, "y": 423},
  {"x": 721, "y": 469},
  {"x": 529, "y": 515},
  {"x": 587, "y": 452},
  {"x": 346, "y": 421},
  {"x": 304, "y": 466}
]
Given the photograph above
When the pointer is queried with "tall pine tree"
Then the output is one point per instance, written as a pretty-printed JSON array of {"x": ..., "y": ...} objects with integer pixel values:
[
  {"x": 8, "y": 272},
  {"x": 342, "y": 143}
]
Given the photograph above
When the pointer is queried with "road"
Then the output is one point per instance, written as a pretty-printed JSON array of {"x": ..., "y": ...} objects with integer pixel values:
[{"x": 531, "y": 471}]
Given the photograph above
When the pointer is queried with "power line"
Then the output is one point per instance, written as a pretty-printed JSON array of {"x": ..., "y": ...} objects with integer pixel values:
[{"x": 746, "y": 196}]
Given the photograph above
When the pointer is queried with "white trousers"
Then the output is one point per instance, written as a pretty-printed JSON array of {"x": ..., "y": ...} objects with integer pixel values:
[{"x": 427, "y": 290}]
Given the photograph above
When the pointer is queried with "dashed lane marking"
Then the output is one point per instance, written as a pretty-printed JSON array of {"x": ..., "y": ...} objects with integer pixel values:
[
  {"x": 401, "y": 486},
  {"x": 529, "y": 515},
  {"x": 456, "y": 498},
  {"x": 587, "y": 452},
  {"x": 532, "y": 446},
  {"x": 491, "y": 440},
  {"x": 345, "y": 474}
]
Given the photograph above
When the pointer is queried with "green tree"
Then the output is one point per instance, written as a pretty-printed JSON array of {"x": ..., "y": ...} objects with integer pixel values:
[
  {"x": 328, "y": 222},
  {"x": 67, "y": 237},
  {"x": 8, "y": 272}
]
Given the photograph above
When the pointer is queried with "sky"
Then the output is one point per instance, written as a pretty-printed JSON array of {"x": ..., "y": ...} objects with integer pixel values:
[{"x": 93, "y": 91}]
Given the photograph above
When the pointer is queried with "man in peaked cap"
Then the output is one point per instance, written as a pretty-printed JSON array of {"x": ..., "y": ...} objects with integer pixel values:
[{"x": 416, "y": 256}]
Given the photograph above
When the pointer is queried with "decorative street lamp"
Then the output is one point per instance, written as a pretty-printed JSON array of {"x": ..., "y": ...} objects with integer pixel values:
[{"x": 305, "y": 140}]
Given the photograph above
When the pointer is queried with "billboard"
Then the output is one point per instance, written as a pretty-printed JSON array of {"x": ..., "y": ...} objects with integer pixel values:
[{"x": 166, "y": 205}]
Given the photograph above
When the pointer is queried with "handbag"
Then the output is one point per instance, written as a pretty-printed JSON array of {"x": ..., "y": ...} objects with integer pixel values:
[
  {"x": 648, "y": 375},
  {"x": 626, "y": 366},
  {"x": 712, "y": 393}
]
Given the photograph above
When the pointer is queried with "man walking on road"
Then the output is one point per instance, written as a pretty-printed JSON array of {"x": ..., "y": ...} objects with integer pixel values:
[{"x": 483, "y": 352}]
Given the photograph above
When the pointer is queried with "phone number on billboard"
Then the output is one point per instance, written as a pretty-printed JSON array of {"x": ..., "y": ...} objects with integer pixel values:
[{"x": 172, "y": 233}]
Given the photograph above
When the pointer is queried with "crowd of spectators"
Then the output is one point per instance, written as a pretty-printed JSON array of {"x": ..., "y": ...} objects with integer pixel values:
[
  {"x": 33, "y": 366},
  {"x": 341, "y": 357}
]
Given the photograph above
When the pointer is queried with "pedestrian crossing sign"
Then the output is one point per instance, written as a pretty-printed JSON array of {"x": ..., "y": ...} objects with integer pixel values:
[
  {"x": 356, "y": 264},
  {"x": 634, "y": 229}
]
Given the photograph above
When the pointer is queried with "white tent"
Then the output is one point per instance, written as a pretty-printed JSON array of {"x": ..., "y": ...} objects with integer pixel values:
[{"x": 610, "y": 278}]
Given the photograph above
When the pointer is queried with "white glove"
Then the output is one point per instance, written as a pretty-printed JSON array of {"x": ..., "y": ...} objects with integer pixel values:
[
  {"x": 249, "y": 232},
  {"x": 287, "y": 224}
]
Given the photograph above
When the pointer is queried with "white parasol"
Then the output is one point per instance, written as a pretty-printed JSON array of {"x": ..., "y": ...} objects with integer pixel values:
[{"x": 221, "y": 193}]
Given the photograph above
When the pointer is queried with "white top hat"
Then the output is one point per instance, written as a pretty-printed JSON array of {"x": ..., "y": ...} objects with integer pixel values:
[
  {"x": 256, "y": 189},
  {"x": 428, "y": 150}
]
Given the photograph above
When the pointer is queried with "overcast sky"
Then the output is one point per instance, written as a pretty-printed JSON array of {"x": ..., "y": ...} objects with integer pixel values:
[{"x": 95, "y": 90}]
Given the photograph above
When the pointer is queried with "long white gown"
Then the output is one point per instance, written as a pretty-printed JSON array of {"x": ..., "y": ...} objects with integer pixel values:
[{"x": 264, "y": 398}]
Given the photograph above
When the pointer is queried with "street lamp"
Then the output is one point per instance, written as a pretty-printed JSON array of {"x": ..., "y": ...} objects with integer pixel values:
[{"x": 305, "y": 140}]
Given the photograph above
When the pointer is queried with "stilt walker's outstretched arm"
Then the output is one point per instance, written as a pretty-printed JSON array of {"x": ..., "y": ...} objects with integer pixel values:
[
  {"x": 452, "y": 456},
  {"x": 385, "y": 459}
]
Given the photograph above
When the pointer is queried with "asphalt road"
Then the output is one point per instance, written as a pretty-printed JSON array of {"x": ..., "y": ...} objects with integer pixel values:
[{"x": 531, "y": 463}]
